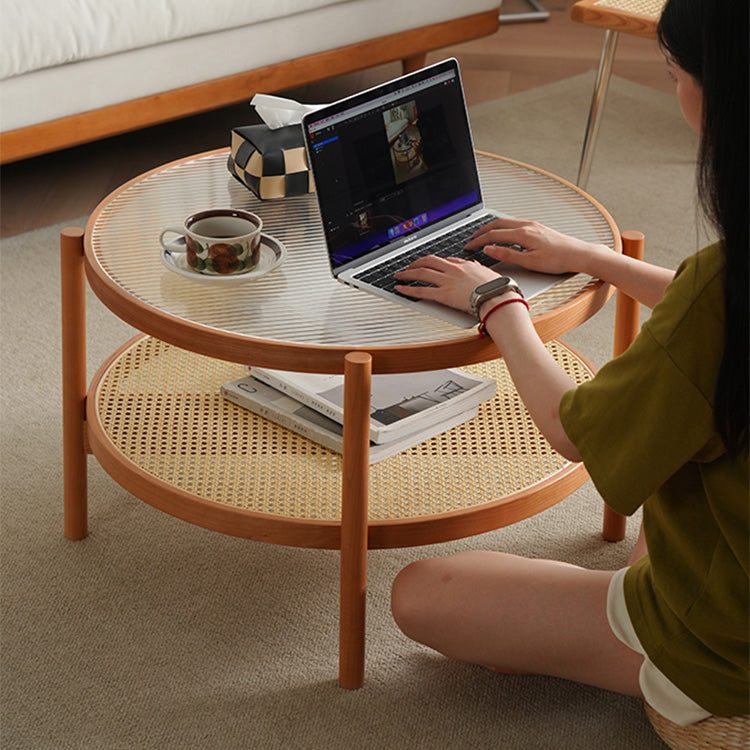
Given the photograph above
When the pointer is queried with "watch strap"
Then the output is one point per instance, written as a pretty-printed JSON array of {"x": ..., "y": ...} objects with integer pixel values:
[{"x": 478, "y": 298}]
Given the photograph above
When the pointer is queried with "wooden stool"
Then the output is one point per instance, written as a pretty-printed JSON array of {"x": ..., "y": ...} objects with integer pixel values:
[{"x": 638, "y": 17}]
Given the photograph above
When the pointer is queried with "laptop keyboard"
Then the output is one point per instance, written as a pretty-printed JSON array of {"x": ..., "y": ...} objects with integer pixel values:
[{"x": 450, "y": 244}]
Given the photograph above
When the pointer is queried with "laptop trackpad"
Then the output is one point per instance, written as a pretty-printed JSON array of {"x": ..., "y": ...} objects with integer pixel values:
[{"x": 530, "y": 282}]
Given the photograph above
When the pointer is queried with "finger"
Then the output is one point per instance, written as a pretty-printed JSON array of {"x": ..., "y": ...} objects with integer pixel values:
[
  {"x": 505, "y": 253},
  {"x": 497, "y": 237},
  {"x": 433, "y": 262},
  {"x": 502, "y": 222},
  {"x": 424, "y": 275},
  {"x": 418, "y": 292}
]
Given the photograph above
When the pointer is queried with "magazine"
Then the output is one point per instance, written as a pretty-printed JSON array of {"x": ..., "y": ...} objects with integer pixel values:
[
  {"x": 276, "y": 406},
  {"x": 400, "y": 403}
]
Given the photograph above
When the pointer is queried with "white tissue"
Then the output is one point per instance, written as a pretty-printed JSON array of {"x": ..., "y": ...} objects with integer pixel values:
[{"x": 278, "y": 112}]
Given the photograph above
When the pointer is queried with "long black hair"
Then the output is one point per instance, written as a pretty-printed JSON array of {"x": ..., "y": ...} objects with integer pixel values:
[{"x": 709, "y": 40}]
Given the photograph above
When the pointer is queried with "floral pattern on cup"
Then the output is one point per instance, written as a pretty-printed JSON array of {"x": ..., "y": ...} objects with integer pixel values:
[
  {"x": 221, "y": 257},
  {"x": 222, "y": 241}
]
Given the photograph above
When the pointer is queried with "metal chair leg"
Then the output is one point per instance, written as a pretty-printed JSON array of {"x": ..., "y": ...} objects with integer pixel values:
[
  {"x": 597, "y": 103},
  {"x": 537, "y": 13}
]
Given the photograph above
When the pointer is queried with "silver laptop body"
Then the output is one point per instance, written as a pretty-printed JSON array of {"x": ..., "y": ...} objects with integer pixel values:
[{"x": 395, "y": 172}]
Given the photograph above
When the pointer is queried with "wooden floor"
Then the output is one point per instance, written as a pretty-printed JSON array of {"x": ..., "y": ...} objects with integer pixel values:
[{"x": 48, "y": 189}]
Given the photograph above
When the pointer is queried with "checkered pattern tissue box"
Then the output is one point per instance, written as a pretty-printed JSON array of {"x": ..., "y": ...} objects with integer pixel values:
[{"x": 272, "y": 163}]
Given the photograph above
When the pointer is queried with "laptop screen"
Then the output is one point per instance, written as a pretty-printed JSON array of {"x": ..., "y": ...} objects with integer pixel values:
[{"x": 392, "y": 160}]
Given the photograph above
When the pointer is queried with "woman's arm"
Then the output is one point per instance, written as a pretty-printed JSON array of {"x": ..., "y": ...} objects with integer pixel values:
[
  {"x": 548, "y": 251},
  {"x": 540, "y": 381}
]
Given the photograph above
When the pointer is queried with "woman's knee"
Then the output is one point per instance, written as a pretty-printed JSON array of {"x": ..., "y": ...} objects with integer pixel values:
[
  {"x": 421, "y": 592},
  {"x": 408, "y": 600}
]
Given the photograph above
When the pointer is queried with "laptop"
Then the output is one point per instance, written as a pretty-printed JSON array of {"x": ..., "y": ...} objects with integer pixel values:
[{"x": 396, "y": 178}]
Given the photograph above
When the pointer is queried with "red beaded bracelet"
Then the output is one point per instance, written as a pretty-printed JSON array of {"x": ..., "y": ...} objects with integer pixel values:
[{"x": 483, "y": 324}]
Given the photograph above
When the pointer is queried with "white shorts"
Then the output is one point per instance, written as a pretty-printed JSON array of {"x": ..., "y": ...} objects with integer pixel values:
[{"x": 659, "y": 692}]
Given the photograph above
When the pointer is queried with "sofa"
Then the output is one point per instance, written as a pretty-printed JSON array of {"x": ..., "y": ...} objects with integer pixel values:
[{"x": 73, "y": 71}]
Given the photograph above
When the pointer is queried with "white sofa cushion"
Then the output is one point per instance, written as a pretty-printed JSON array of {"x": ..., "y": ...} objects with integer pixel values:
[
  {"x": 88, "y": 84},
  {"x": 40, "y": 34}
]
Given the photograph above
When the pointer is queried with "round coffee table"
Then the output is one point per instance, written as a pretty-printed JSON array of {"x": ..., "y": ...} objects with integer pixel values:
[{"x": 155, "y": 420}]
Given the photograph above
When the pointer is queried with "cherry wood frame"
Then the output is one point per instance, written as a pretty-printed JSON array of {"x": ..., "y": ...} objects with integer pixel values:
[
  {"x": 354, "y": 535},
  {"x": 593, "y": 13}
]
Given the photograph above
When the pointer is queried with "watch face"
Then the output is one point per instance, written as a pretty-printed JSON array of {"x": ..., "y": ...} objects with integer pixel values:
[
  {"x": 486, "y": 291},
  {"x": 494, "y": 285}
]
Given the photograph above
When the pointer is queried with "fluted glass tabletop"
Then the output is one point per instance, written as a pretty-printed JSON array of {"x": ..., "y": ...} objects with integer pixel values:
[{"x": 300, "y": 302}]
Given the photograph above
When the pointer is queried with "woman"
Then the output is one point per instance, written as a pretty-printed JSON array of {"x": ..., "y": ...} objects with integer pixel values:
[{"x": 672, "y": 627}]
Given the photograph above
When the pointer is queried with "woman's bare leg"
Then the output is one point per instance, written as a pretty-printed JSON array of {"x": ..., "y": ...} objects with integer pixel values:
[{"x": 516, "y": 614}]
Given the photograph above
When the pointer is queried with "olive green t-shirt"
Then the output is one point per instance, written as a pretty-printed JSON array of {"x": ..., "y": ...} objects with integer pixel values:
[{"x": 644, "y": 427}]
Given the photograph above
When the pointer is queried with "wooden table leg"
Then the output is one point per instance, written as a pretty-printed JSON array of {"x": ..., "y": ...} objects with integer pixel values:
[
  {"x": 73, "y": 312},
  {"x": 357, "y": 377},
  {"x": 627, "y": 323},
  {"x": 413, "y": 63}
]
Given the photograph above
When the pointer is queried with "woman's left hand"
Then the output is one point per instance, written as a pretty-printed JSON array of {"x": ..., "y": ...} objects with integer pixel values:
[{"x": 452, "y": 280}]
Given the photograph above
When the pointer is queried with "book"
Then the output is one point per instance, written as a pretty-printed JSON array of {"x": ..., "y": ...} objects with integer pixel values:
[
  {"x": 401, "y": 403},
  {"x": 282, "y": 409}
]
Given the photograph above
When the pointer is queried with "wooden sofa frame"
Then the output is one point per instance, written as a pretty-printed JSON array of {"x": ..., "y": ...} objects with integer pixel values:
[{"x": 409, "y": 46}]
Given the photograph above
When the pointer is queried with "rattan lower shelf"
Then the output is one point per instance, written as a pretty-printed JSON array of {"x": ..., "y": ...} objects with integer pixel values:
[{"x": 157, "y": 422}]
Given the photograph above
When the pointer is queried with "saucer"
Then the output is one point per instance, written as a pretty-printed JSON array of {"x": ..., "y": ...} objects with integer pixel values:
[{"x": 272, "y": 255}]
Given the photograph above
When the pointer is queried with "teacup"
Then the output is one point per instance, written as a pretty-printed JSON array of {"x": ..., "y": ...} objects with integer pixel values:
[{"x": 219, "y": 241}]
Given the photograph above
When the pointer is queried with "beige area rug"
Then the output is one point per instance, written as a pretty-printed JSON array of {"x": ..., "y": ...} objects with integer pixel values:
[{"x": 152, "y": 633}]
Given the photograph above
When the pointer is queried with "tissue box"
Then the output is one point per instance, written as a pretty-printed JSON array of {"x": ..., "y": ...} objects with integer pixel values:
[{"x": 272, "y": 163}]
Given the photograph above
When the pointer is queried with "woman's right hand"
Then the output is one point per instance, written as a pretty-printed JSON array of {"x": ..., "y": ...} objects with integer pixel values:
[{"x": 544, "y": 250}]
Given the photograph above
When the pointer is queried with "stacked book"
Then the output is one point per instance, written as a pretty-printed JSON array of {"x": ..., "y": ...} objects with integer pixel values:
[{"x": 405, "y": 409}]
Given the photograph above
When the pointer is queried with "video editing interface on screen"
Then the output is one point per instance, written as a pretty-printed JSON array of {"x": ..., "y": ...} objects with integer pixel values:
[{"x": 393, "y": 166}]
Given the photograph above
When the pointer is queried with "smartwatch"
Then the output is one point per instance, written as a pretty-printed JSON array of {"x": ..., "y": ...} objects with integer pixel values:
[{"x": 495, "y": 288}]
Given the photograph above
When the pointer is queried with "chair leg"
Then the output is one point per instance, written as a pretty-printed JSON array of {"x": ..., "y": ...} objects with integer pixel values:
[
  {"x": 73, "y": 285},
  {"x": 597, "y": 104},
  {"x": 627, "y": 323},
  {"x": 537, "y": 12},
  {"x": 357, "y": 379}
]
